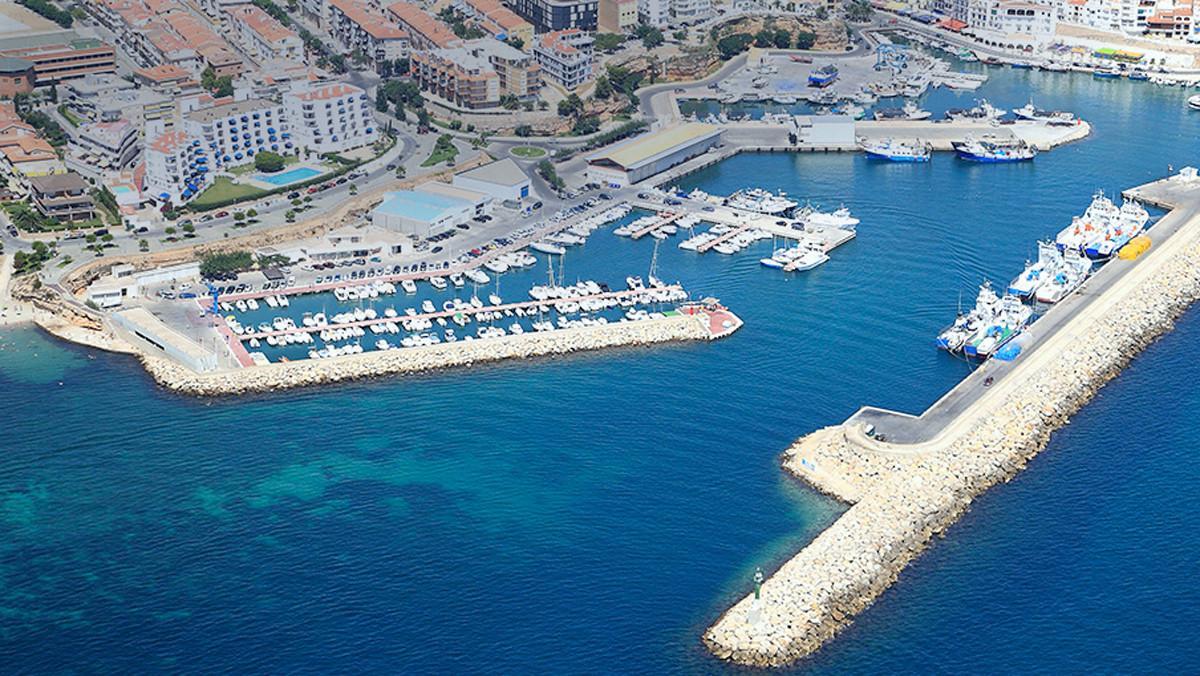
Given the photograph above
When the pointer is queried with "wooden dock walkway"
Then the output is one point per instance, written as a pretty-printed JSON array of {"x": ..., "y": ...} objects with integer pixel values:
[
  {"x": 525, "y": 305},
  {"x": 734, "y": 232},
  {"x": 665, "y": 218}
]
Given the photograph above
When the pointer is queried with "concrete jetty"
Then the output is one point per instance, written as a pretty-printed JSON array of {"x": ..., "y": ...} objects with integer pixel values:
[
  {"x": 904, "y": 493},
  {"x": 692, "y": 322}
]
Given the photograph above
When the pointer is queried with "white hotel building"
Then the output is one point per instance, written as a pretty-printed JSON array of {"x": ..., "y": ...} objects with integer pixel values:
[
  {"x": 330, "y": 118},
  {"x": 176, "y": 167},
  {"x": 234, "y": 132}
]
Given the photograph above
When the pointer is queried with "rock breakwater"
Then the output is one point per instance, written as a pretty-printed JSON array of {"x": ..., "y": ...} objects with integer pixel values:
[
  {"x": 901, "y": 500},
  {"x": 283, "y": 375}
]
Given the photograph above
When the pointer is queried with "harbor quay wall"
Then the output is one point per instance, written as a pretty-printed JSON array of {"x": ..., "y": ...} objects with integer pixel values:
[
  {"x": 901, "y": 500},
  {"x": 303, "y": 373}
]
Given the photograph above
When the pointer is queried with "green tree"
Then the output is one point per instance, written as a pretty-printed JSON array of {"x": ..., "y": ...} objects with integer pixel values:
[
  {"x": 143, "y": 245},
  {"x": 782, "y": 39},
  {"x": 238, "y": 217},
  {"x": 651, "y": 37},
  {"x": 603, "y": 90},
  {"x": 764, "y": 38},
  {"x": 268, "y": 161},
  {"x": 546, "y": 170},
  {"x": 732, "y": 45},
  {"x": 523, "y": 130},
  {"x": 608, "y": 42},
  {"x": 586, "y": 125},
  {"x": 805, "y": 39},
  {"x": 252, "y": 213},
  {"x": 570, "y": 106},
  {"x": 516, "y": 42},
  {"x": 290, "y": 215},
  {"x": 189, "y": 230}
]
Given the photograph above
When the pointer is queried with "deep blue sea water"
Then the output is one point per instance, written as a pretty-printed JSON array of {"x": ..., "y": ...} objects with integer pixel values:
[{"x": 595, "y": 513}]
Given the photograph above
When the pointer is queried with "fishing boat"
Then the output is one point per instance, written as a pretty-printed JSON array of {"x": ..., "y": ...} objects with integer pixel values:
[
  {"x": 1036, "y": 273},
  {"x": 1106, "y": 73},
  {"x": 1010, "y": 319},
  {"x": 1130, "y": 222},
  {"x": 983, "y": 111},
  {"x": 1103, "y": 228},
  {"x": 897, "y": 151},
  {"x": 994, "y": 150},
  {"x": 967, "y": 324},
  {"x": 1072, "y": 272},
  {"x": 823, "y": 76},
  {"x": 1031, "y": 112},
  {"x": 910, "y": 111}
]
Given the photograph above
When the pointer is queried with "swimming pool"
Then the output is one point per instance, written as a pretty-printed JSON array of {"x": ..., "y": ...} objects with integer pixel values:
[{"x": 289, "y": 176}]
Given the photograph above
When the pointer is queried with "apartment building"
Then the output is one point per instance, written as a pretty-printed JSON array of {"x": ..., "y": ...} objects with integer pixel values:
[
  {"x": 115, "y": 145},
  {"x": 263, "y": 36},
  {"x": 616, "y": 16},
  {"x": 176, "y": 167},
  {"x": 424, "y": 31},
  {"x": 477, "y": 74},
  {"x": 499, "y": 21},
  {"x": 63, "y": 197},
  {"x": 234, "y": 132},
  {"x": 359, "y": 26},
  {"x": 557, "y": 15},
  {"x": 565, "y": 57},
  {"x": 330, "y": 118},
  {"x": 690, "y": 11},
  {"x": 60, "y": 56},
  {"x": 656, "y": 13}
]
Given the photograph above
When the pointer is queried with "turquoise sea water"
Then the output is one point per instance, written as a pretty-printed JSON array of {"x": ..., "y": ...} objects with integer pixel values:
[{"x": 595, "y": 513}]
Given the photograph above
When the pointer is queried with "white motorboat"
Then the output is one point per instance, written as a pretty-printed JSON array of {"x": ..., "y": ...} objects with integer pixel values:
[
  {"x": 409, "y": 286},
  {"x": 478, "y": 276},
  {"x": 548, "y": 248},
  {"x": 438, "y": 283}
]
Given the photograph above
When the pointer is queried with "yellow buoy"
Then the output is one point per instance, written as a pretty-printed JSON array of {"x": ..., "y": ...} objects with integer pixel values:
[{"x": 1134, "y": 248}]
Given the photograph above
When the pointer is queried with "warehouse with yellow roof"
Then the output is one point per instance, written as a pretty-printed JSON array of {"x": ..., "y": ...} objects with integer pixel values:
[{"x": 644, "y": 156}]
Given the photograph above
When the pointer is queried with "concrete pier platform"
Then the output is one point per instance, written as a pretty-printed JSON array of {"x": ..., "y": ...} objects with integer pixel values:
[{"x": 903, "y": 493}]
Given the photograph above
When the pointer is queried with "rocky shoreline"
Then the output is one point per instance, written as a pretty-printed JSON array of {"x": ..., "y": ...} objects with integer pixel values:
[
  {"x": 284, "y": 375},
  {"x": 902, "y": 500}
]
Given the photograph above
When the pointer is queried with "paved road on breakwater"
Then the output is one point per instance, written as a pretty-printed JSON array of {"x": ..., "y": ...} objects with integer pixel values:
[{"x": 904, "y": 428}]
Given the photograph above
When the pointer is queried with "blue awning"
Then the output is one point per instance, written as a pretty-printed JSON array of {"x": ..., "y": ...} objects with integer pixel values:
[
  {"x": 227, "y": 158},
  {"x": 286, "y": 135},
  {"x": 270, "y": 130},
  {"x": 238, "y": 155},
  {"x": 164, "y": 196},
  {"x": 288, "y": 144},
  {"x": 274, "y": 146},
  {"x": 187, "y": 192},
  {"x": 202, "y": 160},
  {"x": 246, "y": 136}
]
